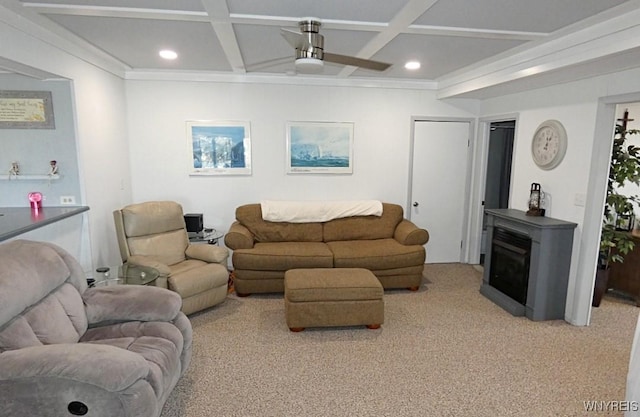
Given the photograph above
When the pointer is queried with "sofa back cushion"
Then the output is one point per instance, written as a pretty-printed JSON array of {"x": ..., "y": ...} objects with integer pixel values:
[
  {"x": 40, "y": 295},
  {"x": 250, "y": 216},
  {"x": 156, "y": 229},
  {"x": 365, "y": 227}
]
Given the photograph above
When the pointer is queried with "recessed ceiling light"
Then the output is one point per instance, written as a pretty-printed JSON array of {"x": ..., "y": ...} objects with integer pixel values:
[
  {"x": 168, "y": 54},
  {"x": 412, "y": 65}
]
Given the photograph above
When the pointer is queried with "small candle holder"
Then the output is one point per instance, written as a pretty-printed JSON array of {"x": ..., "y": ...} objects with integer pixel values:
[{"x": 35, "y": 199}]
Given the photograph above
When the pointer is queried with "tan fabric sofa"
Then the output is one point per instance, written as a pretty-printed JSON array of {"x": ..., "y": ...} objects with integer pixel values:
[{"x": 389, "y": 246}]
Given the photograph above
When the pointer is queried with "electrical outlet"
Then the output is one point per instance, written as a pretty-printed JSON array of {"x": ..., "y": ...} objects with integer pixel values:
[{"x": 67, "y": 200}]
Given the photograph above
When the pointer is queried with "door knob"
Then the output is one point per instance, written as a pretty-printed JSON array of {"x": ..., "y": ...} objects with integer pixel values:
[{"x": 415, "y": 204}]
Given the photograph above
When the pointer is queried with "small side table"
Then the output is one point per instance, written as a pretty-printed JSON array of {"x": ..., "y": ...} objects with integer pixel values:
[
  {"x": 126, "y": 274},
  {"x": 210, "y": 236}
]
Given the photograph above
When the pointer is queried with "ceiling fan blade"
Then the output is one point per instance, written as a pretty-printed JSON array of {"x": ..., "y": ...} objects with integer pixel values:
[
  {"x": 356, "y": 62},
  {"x": 295, "y": 39},
  {"x": 262, "y": 65}
]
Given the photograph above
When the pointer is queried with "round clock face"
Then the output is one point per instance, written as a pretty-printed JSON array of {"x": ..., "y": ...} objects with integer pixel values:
[{"x": 549, "y": 144}]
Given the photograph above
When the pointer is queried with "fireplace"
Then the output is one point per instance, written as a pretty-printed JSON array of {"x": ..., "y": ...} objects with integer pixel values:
[
  {"x": 510, "y": 261},
  {"x": 526, "y": 272}
]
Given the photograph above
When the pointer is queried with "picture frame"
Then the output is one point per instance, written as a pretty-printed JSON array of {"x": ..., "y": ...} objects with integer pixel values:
[
  {"x": 26, "y": 110},
  {"x": 219, "y": 147},
  {"x": 319, "y": 148}
]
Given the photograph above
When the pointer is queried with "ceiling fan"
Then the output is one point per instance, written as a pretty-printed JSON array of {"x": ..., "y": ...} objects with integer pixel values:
[{"x": 310, "y": 54}]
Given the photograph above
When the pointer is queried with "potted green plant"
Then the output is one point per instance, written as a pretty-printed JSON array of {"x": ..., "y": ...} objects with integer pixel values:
[{"x": 615, "y": 242}]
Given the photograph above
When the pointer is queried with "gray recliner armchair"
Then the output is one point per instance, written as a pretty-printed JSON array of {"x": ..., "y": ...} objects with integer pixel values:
[
  {"x": 154, "y": 234},
  {"x": 69, "y": 350}
]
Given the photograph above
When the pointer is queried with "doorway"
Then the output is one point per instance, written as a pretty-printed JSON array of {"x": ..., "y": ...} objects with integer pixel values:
[
  {"x": 439, "y": 185},
  {"x": 498, "y": 178}
]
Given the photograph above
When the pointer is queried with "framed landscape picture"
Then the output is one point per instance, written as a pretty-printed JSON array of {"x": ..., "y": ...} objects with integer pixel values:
[
  {"x": 219, "y": 148},
  {"x": 319, "y": 147}
]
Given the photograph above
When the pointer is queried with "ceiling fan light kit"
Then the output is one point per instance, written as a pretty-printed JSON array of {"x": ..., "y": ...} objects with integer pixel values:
[{"x": 309, "y": 65}]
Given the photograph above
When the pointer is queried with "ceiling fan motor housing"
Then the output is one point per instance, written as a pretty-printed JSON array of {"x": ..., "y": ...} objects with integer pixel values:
[{"x": 313, "y": 44}]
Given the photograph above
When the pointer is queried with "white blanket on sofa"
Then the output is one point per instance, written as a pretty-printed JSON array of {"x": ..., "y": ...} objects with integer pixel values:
[{"x": 317, "y": 211}]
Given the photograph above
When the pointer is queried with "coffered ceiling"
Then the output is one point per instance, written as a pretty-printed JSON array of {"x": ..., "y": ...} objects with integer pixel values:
[{"x": 450, "y": 38}]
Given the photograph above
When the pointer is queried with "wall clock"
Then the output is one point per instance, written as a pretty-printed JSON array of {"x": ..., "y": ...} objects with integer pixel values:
[{"x": 549, "y": 144}]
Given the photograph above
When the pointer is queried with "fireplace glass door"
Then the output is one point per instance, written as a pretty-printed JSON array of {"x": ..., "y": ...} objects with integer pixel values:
[{"x": 510, "y": 261}]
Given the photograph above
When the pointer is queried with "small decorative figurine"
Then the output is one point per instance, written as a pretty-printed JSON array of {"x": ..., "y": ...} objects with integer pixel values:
[
  {"x": 53, "y": 170},
  {"x": 15, "y": 169}
]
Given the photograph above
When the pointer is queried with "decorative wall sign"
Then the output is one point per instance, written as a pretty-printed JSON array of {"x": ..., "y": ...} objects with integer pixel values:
[
  {"x": 26, "y": 110},
  {"x": 319, "y": 147},
  {"x": 219, "y": 148}
]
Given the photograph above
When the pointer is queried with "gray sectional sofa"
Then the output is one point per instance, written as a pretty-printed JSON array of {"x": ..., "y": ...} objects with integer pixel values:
[{"x": 67, "y": 350}]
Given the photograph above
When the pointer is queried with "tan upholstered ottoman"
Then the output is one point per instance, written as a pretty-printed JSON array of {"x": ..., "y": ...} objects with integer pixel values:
[{"x": 324, "y": 297}]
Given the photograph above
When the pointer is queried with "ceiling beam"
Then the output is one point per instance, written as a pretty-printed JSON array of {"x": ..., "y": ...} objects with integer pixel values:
[
  {"x": 218, "y": 12},
  {"x": 474, "y": 33},
  {"x": 121, "y": 12},
  {"x": 265, "y": 20},
  {"x": 400, "y": 22}
]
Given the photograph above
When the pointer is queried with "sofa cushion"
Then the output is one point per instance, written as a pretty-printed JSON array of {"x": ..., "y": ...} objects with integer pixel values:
[
  {"x": 250, "y": 216},
  {"x": 331, "y": 284},
  {"x": 364, "y": 227},
  {"x": 194, "y": 277},
  {"x": 39, "y": 295},
  {"x": 168, "y": 248},
  {"x": 58, "y": 318},
  {"x": 282, "y": 256},
  {"x": 160, "y": 343},
  {"x": 152, "y": 217},
  {"x": 376, "y": 254},
  {"x": 30, "y": 272}
]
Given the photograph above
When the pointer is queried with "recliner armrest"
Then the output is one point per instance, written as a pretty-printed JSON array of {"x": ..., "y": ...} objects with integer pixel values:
[
  {"x": 408, "y": 233},
  {"x": 73, "y": 361},
  {"x": 148, "y": 261},
  {"x": 207, "y": 253},
  {"x": 122, "y": 303}
]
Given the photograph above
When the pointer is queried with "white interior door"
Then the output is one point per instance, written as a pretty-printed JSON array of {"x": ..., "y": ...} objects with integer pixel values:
[{"x": 439, "y": 184}]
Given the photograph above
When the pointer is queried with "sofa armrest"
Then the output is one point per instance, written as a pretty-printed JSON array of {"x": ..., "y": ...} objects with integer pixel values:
[
  {"x": 72, "y": 361},
  {"x": 130, "y": 303},
  {"x": 239, "y": 237},
  {"x": 149, "y": 261},
  {"x": 208, "y": 253},
  {"x": 408, "y": 233}
]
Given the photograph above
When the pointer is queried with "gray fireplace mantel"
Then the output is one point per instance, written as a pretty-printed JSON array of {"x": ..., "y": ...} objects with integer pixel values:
[{"x": 551, "y": 247}]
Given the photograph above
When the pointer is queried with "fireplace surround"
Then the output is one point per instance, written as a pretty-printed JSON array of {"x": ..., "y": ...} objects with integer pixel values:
[{"x": 526, "y": 272}]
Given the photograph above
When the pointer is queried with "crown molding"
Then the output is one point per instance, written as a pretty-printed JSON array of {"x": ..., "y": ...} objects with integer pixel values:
[
  {"x": 601, "y": 37},
  {"x": 202, "y": 76}
]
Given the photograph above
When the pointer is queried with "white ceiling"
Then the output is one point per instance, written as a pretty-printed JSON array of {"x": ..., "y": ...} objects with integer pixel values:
[{"x": 451, "y": 38}]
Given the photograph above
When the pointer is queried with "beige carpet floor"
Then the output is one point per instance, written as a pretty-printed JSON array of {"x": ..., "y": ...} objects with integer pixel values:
[{"x": 444, "y": 350}]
